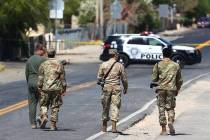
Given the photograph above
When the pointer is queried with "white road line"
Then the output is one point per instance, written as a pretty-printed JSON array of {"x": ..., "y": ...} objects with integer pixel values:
[{"x": 145, "y": 107}]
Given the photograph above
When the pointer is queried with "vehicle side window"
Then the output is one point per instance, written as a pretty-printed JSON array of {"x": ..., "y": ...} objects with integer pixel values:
[
  {"x": 154, "y": 42},
  {"x": 138, "y": 41}
]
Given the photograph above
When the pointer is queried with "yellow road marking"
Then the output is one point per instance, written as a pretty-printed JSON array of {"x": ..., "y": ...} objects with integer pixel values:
[
  {"x": 203, "y": 45},
  {"x": 24, "y": 103},
  {"x": 81, "y": 86},
  {"x": 13, "y": 107},
  {"x": 194, "y": 44}
]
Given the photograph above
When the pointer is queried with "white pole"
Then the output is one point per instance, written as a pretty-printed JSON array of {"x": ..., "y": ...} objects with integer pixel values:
[
  {"x": 172, "y": 14},
  {"x": 97, "y": 16},
  {"x": 101, "y": 18}
]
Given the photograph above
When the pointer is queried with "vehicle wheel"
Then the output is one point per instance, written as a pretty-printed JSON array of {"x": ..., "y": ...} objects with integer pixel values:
[
  {"x": 179, "y": 59},
  {"x": 124, "y": 59}
]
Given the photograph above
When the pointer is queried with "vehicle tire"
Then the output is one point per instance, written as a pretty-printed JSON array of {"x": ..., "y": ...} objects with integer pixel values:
[
  {"x": 124, "y": 59},
  {"x": 179, "y": 59}
]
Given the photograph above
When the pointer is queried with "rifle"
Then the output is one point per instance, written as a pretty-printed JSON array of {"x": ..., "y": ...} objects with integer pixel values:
[{"x": 153, "y": 84}]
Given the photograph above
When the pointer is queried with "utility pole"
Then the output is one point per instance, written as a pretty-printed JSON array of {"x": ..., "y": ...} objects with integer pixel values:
[
  {"x": 55, "y": 20},
  {"x": 97, "y": 17},
  {"x": 172, "y": 14},
  {"x": 101, "y": 19}
]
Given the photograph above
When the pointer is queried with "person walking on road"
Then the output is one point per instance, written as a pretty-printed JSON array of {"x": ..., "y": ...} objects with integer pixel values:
[
  {"x": 52, "y": 86},
  {"x": 167, "y": 75},
  {"x": 112, "y": 72},
  {"x": 31, "y": 73}
]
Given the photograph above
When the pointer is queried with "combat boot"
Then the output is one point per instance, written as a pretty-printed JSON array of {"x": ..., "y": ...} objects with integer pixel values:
[
  {"x": 171, "y": 129},
  {"x": 33, "y": 126},
  {"x": 53, "y": 126},
  {"x": 104, "y": 126},
  {"x": 114, "y": 127},
  {"x": 38, "y": 120},
  {"x": 44, "y": 121},
  {"x": 163, "y": 132}
]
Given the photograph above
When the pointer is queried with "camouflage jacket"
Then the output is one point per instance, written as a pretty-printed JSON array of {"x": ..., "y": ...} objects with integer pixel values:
[
  {"x": 51, "y": 76},
  {"x": 116, "y": 74},
  {"x": 167, "y": 74}
]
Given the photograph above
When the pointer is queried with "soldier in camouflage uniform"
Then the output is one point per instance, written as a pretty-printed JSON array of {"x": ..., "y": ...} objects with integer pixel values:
[
  {"x": 167, "y": 74},
  {"x": 52, "y": 85},
  {"x": 111, "y": 92}
]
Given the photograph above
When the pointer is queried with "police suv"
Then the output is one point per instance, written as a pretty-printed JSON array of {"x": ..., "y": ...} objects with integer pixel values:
[{"x": 135, "y": 47}]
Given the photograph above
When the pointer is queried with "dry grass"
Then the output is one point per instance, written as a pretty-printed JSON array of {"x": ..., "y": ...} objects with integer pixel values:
[{"x": 2, "y": 67}]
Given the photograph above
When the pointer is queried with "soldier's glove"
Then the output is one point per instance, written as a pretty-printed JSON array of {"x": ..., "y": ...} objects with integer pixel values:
[{"x": 153, "y": 84}]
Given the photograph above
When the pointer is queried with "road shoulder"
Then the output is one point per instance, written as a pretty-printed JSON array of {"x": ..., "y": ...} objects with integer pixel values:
[
  {"x": 2, "y": 67},
  {"x": 191, "y": 103}
]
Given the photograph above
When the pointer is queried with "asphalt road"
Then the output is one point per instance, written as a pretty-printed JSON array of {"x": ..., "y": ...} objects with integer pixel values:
[{"x": 80, "y": 115}]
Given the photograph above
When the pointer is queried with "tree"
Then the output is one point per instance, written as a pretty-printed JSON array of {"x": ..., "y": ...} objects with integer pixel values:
[
  {"x": 188, "y": 9},
  {"x": 181, "y": 5},
  {"x": 71, "y": 8},
  {"x": 157, "y": 2},
  {"x": 202, "y": 9},
  {"x": 87, "y": 12},
  {"x": 16, "y": 17},
  {"x": 145, "y": 17}
]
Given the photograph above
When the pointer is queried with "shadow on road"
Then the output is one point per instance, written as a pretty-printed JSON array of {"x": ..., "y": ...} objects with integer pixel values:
[
  {"x": 182, "y": 134},
  {"x": 61, "y": 129},
  {"x": 120, "y": 133},
  {"x": 123, "y": 134}
]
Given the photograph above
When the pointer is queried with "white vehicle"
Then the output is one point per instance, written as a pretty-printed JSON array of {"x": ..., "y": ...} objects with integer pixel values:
[{"x": 149, "y": 48}]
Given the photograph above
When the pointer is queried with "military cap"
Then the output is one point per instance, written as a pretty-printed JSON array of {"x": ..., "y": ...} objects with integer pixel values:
[
  {"x": 113, "y": 51},
  {"x": 51, "y": 51},
  {"x": 167, "y": 51}
]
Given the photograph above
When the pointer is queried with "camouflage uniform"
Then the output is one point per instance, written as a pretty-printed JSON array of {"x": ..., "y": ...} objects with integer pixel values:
[
  {"x": 111, "y": 94},
  {"x": 51, "y": 83},
  {"x": 168, "y": 76}
]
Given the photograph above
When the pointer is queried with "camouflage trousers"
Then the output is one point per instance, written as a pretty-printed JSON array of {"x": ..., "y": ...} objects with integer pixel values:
[
  {"x": 52, "y": 100},
  {"x": 111, "y": 101},
  {"x": 166, "y": 102}
]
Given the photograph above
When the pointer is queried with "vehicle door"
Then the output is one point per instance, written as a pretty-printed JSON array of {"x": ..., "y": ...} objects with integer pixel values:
[
  {"x": 154, "y": 49},
  {"x": 133, "y": 47}
]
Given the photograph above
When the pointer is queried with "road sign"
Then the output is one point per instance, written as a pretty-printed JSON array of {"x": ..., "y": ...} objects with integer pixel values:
[
  {"x": 56, "y": 5},
  {"x": 56, "y": 14},
  {"x": 164, "y": 10},
  {"x": 116, "y": 10},
  {"x": 56, "y": 9}
]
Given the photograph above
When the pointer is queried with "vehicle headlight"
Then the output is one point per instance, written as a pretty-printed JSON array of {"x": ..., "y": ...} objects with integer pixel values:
[{"x": 190, "y": 51}]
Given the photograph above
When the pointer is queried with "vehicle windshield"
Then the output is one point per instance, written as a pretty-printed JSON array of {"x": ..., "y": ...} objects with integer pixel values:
[
  {"x": 166, "y": 41},
  {"x": 112, "y": 38},
  {"x": 203, "y": 19}
]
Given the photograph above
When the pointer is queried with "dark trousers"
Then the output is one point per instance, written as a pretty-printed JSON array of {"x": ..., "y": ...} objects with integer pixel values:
[{"x": 33, "y": 99}]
